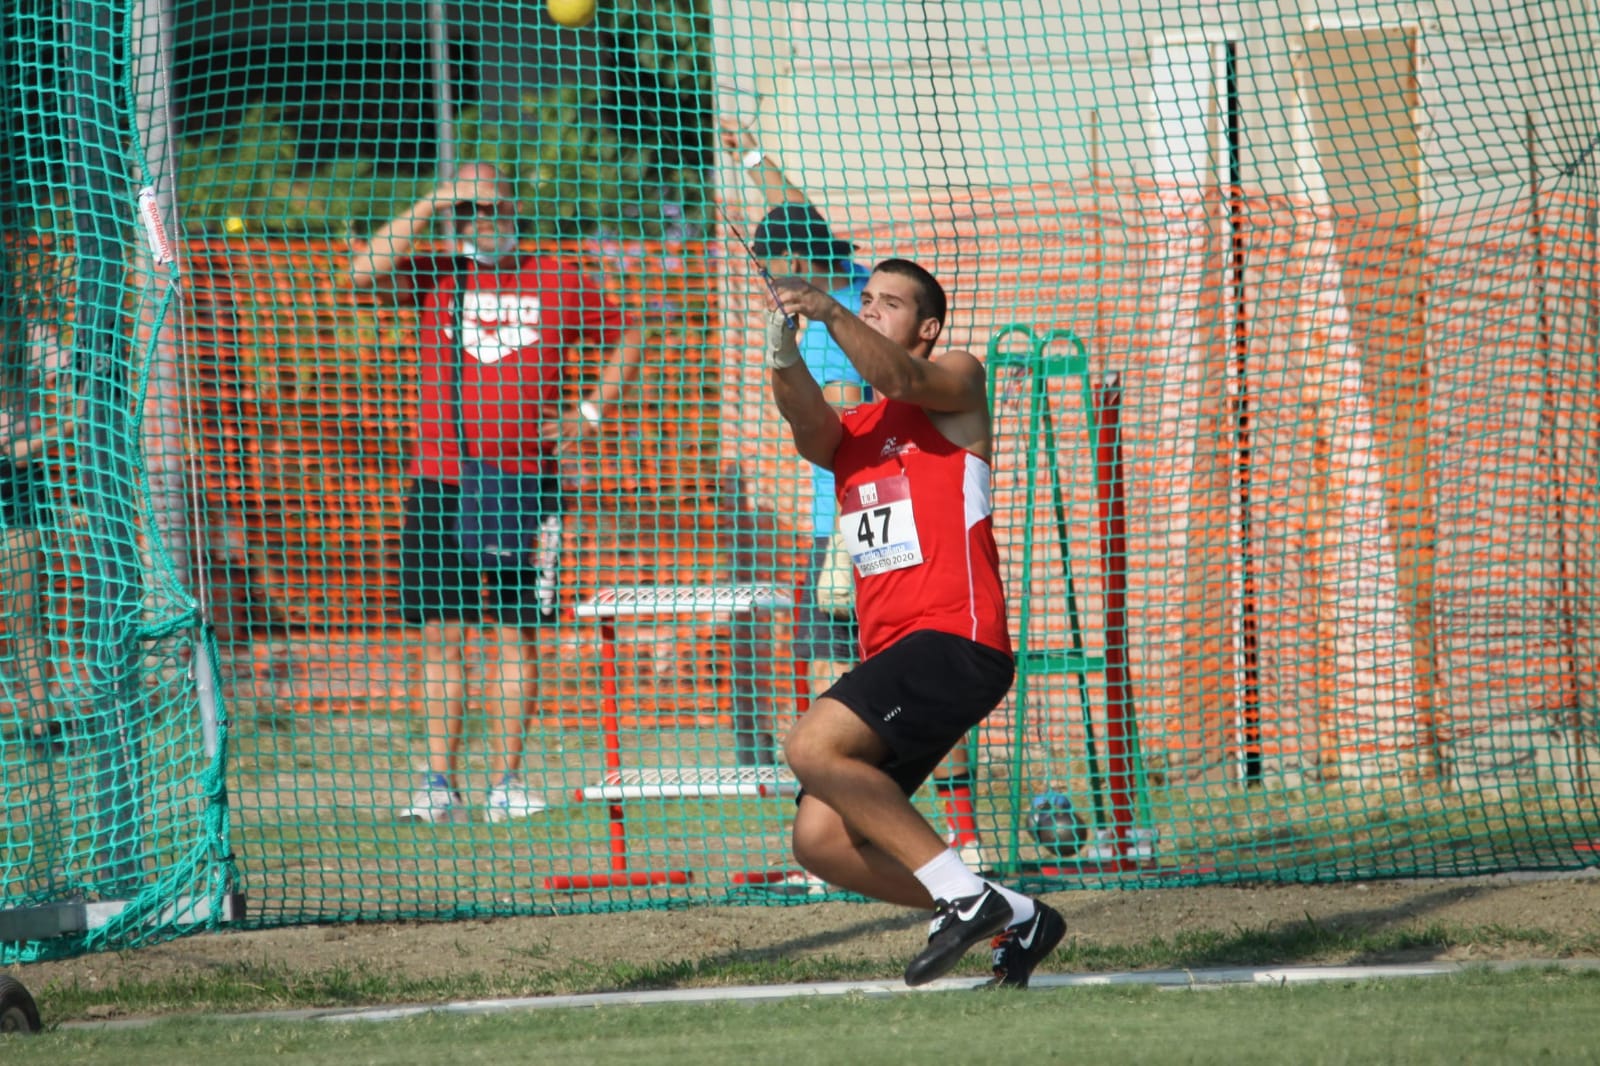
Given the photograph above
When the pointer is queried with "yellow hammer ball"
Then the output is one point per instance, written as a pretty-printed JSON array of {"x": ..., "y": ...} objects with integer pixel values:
[
  {"x": 571, "y": 13},
  {"x": 235, "y": 224}
]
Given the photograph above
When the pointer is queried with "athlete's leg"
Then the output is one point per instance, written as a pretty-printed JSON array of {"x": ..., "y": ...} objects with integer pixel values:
[
  {"x": 837, "y": 759},
  {"x": 826, "y": 847}
]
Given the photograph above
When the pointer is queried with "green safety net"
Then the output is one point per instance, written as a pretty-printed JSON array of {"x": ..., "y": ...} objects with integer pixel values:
[
  {"x": 1290, "y": 317},
  {"x": 111, "y": 739}
]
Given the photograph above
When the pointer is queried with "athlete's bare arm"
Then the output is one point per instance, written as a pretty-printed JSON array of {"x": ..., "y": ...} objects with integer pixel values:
[
  {"x": 813, "y": 421},
  {"x": 952, "y": 383},
  {"x": 950, "y": 387}
]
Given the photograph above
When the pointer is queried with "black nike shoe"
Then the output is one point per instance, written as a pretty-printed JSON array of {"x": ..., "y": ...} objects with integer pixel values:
[
  {"x": 1018, "y": 949},
  {"x": 958, "y": 926}
]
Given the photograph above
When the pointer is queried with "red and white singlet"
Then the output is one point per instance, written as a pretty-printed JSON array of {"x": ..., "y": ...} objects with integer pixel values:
[
  {"x": 517, "y": 325},
  {"x": 916, "y": 513}
]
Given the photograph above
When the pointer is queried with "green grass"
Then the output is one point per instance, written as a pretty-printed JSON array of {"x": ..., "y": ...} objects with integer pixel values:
[
  {"x": 1478, "y": 1017},
  {"x": 253, "y": 987}
]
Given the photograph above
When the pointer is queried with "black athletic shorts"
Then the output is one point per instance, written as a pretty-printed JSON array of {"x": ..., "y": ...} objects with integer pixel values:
[
  {"x": 922, "y": 694},
  {"x": 438, "y": 583}
]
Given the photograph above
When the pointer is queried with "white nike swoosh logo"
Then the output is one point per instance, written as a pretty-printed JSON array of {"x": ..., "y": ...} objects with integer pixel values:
[
  {"x": 1033, "y": 933},
  {"x": 965, "y": 913}
]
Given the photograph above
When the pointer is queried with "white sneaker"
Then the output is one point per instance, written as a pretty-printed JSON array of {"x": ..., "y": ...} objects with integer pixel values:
[
  {"x": 512, "y": 801},
  {"x": 436, "y": 806}
]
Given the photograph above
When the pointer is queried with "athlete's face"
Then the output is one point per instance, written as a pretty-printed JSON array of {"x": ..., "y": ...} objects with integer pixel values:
[
  {"x": 487, "y": 231},
  {"x": 889, "y": 306}
]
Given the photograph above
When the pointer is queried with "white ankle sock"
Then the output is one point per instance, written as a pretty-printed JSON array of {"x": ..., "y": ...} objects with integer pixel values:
[
  {"x": 1021, "y": 906},
  {"x": 946, "y": 877}
]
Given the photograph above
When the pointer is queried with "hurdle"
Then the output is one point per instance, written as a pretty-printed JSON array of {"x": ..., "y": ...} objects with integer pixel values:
[{"x": 618, "y": 784}]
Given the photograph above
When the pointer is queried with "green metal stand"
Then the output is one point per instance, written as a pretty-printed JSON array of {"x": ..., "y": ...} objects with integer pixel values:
[{"x": 1043, "y": 361}]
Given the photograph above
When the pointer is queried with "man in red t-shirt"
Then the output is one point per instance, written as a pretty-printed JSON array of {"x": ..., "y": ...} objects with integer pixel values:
[
  {"x": 482, "y": 537},
  {"x": 912, "y": 477}
]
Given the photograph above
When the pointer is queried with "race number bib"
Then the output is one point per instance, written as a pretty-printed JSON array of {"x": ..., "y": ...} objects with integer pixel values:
[{"x": 878, "y": 528}]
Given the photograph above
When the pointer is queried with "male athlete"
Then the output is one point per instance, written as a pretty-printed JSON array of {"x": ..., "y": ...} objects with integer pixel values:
[
  {"x": 794, "y": 238},
  {"x": 912, "y": 479}
]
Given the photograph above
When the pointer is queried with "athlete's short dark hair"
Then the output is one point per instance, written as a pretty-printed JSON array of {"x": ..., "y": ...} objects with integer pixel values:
[{"x": 931, "y": 300}]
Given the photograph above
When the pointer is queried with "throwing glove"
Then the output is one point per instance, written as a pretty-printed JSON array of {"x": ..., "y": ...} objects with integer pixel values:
[{"x": 782, "y": 351}]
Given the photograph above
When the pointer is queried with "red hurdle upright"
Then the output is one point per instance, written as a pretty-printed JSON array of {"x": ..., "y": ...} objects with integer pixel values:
[{"x": 618, "y": 784}]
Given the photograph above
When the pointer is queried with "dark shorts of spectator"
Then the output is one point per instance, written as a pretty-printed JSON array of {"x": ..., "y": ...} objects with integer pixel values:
[
  {"x": 818, "y": 635},
  {"x": 438, "y": 583},
  {"x": 922, "y": 695}
]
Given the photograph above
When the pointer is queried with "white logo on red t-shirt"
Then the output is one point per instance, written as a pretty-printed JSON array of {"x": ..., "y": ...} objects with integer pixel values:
[{"x": 495, "y": 325}]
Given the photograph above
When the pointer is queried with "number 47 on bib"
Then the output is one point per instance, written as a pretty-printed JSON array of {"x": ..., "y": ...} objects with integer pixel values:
[{"x": 879, "y": 526}]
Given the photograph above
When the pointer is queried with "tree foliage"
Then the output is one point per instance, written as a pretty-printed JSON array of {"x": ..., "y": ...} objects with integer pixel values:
[{"x": 620, "y": 146}]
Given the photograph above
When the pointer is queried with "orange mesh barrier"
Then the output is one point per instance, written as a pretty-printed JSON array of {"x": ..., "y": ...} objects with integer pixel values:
[
  {"x": 310, "y": 397},
  {"x": 1387, "y": 355}
]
